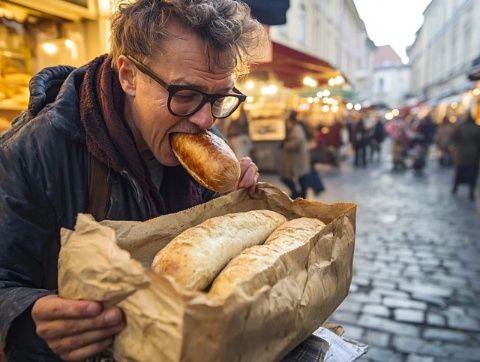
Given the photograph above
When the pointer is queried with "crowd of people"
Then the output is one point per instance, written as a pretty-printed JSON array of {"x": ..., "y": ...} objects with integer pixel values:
[
  {"x": 359, "y": 135},
  {"x": 457, "y": 143}
]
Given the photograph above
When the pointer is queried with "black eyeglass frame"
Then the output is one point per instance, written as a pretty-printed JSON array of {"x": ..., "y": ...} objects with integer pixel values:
[{"x": 172, "y": 89}]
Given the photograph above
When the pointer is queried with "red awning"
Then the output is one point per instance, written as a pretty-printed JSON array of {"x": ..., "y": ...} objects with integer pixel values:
[{"x": 290, "y": 66}]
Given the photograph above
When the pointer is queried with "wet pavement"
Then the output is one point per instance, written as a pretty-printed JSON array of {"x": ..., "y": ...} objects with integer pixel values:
[{"x": 416, "y": 285}]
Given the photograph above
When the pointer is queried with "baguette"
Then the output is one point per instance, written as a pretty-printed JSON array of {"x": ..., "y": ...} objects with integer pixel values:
[
  {"x": 208, "y": 159},
  {"x": 197, "y": 255},
  {"x": 248, "y": 268}
]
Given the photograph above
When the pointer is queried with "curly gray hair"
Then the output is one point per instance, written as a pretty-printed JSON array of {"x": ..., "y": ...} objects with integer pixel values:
[{"x": 139, "y": 28}]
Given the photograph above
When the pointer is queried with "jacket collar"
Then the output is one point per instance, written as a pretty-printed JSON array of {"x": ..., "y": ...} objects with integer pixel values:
[{"x": 55, "y": 91}]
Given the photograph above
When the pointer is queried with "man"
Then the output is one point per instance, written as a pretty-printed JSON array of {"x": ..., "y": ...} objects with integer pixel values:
[
  {"x": 101, "y": 132},
  {"x": 358, "y": 139},
  {"x": 466, "y": 154}
]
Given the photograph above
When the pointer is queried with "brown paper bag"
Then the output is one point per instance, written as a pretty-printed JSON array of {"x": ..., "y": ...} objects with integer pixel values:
[{"x": 103, "y": 262}]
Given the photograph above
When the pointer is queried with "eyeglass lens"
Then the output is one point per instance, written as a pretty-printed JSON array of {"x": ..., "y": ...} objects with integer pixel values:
[{"x": 186, "y": 101}]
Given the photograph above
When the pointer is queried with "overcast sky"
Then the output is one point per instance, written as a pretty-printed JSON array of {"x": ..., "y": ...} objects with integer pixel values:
[{"x": 393, "y": 22}]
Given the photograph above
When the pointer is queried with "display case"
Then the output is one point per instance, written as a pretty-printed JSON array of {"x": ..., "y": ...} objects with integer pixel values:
[
  {"x": 66, "y": 9},
  {"x": 30, "y": 41}
]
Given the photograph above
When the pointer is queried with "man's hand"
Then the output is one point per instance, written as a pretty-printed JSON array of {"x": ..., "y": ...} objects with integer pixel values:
[
  {"x": 76, "y": 329},
  {"x": 248, "y": 175}
]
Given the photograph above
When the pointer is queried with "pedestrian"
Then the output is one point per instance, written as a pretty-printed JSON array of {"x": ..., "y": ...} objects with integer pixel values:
[
  {"x": 295, "y": 162},
  {"x": 397, "y": 129},
  {"x": 466, "y": 154},
  {"x": 334, "y": 142},
  {"x": 96, "y": 139},
  {"x": 425, "y": 134},
  {"x": 358, "y": 139},
  {"x": 238, "y": 137},
  {"x": 443, "y": 141},
  {"x": 376, "y": 140}
]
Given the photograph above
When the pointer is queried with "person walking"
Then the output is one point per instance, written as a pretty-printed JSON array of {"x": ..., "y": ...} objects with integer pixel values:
[
  {"x": 397, "y": 129},
  {"x": 295, "y": 163},
  {"x": 425, "y": 134},
  {"x": 358, "y": 139},
  {"x": 443, "y": 141},
  {"x": 334, "y": 142},
  {"x": 466, "y": 154},
  {"x": 378, "y": 135}
]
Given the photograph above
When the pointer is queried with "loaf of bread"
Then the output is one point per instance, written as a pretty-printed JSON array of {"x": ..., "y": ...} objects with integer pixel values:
[
  {"x": 248, "y": 269},
  {"x": 196, "y": 256},
  {"x": 208, "y": 159}
]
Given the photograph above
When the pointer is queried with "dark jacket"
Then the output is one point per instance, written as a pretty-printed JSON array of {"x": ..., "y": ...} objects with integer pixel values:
[
  {"x": 44, "y": 166},
  {"x": 358, "y": 134},
  {"x": 466, "y": 141}
]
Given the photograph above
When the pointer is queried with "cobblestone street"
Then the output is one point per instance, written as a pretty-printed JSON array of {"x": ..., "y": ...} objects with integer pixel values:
[{"x": 414, "y": 294}]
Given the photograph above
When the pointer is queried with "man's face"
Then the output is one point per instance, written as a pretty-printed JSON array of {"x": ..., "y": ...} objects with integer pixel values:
[{"x": 183, "y": 61}]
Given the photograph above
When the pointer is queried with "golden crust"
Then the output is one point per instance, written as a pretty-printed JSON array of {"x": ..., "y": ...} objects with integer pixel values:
[
  {"x": 208, "y": 159},
  {"x": 198, "y": 254},
  {"x": 250, "y": 268}
]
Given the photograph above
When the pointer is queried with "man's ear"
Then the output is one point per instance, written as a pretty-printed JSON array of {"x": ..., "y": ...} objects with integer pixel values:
[{"x": 127, "y": 75}]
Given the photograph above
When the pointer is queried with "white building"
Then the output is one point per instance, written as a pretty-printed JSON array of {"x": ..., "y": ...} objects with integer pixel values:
[
  {"x": 445, "y": 47},
  {"x": 391, "y": 80},
  {"x": 333, "y": 31}
]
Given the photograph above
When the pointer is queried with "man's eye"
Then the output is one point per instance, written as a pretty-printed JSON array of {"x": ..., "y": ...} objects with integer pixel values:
[{"x": 186, "y": 95}]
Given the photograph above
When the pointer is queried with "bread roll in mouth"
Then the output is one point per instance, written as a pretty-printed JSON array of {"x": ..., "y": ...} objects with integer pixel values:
[{"x": 208, "y": 159}]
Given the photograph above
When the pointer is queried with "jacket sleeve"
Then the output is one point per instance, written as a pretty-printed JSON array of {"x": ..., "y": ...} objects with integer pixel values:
[{"x": 29, "y": 241}]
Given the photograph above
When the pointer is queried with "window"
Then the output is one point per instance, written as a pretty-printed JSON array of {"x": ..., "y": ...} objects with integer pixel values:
[
  {"x": 467, "y": 35},
  {"x": 302, "y": 23},
  {"x": 381, "y": 84}
]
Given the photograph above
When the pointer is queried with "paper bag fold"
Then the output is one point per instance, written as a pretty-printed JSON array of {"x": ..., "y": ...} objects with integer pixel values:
[{"x": 103, "y": 262}]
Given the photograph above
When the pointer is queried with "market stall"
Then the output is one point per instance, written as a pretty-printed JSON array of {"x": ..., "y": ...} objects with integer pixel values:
[{"x": 290, "y": 79}]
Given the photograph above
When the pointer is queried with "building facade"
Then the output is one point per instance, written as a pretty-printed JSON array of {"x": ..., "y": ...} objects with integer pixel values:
[
  {"x": 444, "y": 48},
  {"x": 391, "y": 80},
  {"x": 333, "y": 31}
]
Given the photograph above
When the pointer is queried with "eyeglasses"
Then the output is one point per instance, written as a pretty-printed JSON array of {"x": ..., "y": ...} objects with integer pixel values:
[{"x": 183, "y": 101}]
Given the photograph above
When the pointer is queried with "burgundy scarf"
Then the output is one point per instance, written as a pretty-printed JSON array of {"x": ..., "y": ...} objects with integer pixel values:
[{"x": 110, "y": 140}]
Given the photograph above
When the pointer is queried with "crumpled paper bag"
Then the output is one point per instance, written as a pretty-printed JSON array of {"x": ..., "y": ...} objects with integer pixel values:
[{"x": 109, "y": 262}]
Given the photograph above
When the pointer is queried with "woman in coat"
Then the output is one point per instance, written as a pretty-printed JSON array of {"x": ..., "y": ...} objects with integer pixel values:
[
  {"x": 295, "y": 165},
  {"x": 466, "y": 154}
]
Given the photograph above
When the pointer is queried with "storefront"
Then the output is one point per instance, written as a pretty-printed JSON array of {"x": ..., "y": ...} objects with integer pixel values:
[
  {"x": 474, "y": 75},
  {"x": 38, "y": 34},
  {"x": 289, "y": 80}
]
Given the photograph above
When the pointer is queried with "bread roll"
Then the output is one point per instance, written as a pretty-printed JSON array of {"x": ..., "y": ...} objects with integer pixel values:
[
  {"x": 248, "y": 268},
  {"x": 208, "y": 159},
  {"x": 198, "y": 254}
]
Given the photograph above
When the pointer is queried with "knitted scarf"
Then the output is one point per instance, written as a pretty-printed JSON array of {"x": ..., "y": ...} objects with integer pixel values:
[{"x": 110, "y": 140}]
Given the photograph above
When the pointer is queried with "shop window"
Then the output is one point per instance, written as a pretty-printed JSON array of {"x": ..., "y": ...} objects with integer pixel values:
[{"x": 30, "y": 41}]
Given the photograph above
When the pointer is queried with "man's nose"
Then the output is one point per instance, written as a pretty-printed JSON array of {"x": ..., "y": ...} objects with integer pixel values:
[{"x": 203, "y": 117}]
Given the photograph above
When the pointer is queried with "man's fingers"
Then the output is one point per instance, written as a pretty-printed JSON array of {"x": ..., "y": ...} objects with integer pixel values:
[
  {"x": 252, "y": 190},
  {"x": 51, "y": 330},
  {"x": 246, "y": 167},
  {"x": 87, "y": 351},
  {"x": 83, "y": 340},
  {"x": 54, "y": 307},
  {"x": 248, "y": 177}
]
